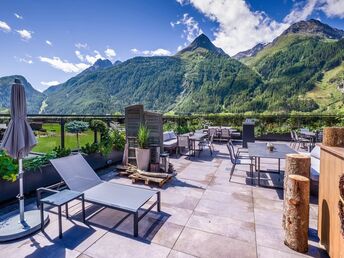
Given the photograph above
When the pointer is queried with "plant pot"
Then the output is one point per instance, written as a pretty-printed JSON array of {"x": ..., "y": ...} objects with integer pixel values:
[{"x": 142, "y": 158}]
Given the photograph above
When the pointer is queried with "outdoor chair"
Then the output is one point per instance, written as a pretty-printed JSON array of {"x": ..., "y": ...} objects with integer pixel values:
[
  {"x": 80, "y": 177},
  {"x": 207, "y": 143},
  {"x": 240, "y": 153},
  {"x": 183, "y": 145},
  {"x": 238, "y": 161},
  {"x": 301, "y": 140},
  {"x": 212, "y": 131},
  {"x": 293, "y": 139},
  {"x": 225, "y": 134}
]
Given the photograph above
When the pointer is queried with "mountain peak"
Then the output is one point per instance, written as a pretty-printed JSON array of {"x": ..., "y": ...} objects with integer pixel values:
[
  {"x": 202, "y": 41},
  {"x": 315, "y": 28}
]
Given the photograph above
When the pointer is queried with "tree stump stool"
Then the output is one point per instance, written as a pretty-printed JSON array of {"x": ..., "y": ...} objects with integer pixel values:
[
  {"x": 333, "y": 136},
  {"x": 296, "y": 213}
]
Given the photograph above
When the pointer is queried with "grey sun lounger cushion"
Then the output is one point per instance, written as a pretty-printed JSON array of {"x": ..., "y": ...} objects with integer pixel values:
[{"x": 79, "y": 176}]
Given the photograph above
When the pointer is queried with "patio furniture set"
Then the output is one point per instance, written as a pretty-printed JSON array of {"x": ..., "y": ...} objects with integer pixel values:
[
  {"x": 84, "y": 184},
  {"x": 305, "y": 138}
]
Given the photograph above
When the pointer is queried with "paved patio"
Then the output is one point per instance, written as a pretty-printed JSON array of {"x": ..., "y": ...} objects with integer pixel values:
[{"x": 203, "y": 215}]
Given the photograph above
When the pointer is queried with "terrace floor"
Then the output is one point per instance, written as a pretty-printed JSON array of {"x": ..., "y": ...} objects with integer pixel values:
[{"x": 203, "y": 215}]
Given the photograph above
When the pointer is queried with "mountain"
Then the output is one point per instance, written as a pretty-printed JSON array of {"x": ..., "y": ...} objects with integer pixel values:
[
  {"x": 34, "y": 98},
  {"x": 249, "y": 53},
  {"x": 202, "y": 42},
  {"x": 314, "y": 28},
  {"x": 200, "y": 79},
  {"x": 99, "y": 64},
  {"x": 303, "y": 68}
]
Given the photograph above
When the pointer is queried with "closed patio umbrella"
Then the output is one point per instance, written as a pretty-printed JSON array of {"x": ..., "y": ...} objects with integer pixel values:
[{"x": 18, "y": 141}]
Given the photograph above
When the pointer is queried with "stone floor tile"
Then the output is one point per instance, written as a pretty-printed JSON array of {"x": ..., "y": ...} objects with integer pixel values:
[
  {"x": 115, "y": 245},
  {"x": 203, "y": 244}
]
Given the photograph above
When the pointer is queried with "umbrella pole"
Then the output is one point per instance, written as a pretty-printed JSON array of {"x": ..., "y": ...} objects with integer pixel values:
[{"x": 21, "y": 191}]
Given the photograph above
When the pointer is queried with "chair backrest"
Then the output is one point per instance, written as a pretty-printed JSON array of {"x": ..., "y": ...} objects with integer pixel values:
[
  {"x": 211, "y": 131},
  {"x": 183, "y": 141},
  {"x": 225, "y": 133},
  {"x": 231, "y": 153},
  {"x": 76, "y": 172},
  {"x": 296, "y": 136}
]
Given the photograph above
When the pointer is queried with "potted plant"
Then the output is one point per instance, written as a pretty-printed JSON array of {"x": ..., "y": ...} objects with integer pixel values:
[{"x": 142, "y": 152}]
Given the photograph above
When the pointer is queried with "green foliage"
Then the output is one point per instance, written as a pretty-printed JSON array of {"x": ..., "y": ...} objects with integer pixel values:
[
  {"x": 99, "y": 126},
  {"x": 8, "y": 167},
  {"x": 76, "y": 127},
  {"x": 118, "y": 139},
  {"x": 90, "y": 148},
  {"x": 143, "y": 136},
  {"x": 39, "y": 161},
  {"x": 62, "y": 152}
]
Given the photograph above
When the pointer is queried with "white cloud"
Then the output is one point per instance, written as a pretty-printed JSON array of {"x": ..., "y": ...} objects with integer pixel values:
[
  {"x": 81, "y": 45},
  {"x": 79, "y": 55},
  {"x": 25, "y": 34},
  {"x": 4, "y": 26},
  {"x": 25, "y": 60},
  {"x": 333, "y": 8},
  {"x": 110, "y": 53},
  {"x": 192, "y": 29},
  {"x": 49, "y": 42},
  {"x": 51, "y": 83},
  {"x": 93, "y": 58},
  {"x": 301, "y": 11},
  {"x": 64, "y": 65},
  {"x": 239, "y": 27},
  {"x": 156, "y": 52},
  {"x": 18, "y": 16}
]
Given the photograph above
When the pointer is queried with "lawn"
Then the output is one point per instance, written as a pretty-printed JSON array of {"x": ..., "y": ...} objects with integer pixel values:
[{"x": 52, "y": 138}]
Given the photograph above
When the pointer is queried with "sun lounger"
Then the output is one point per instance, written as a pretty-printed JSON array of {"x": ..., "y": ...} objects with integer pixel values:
[{"x": 80, "y": 177}]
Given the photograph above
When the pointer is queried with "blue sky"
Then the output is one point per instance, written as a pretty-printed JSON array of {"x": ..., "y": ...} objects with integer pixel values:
[{"x": 50, "y": 41}]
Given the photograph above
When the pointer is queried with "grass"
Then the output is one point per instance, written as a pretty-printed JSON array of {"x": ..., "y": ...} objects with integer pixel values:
[
  {"x": 326, "y": 93},
  {"x": 52, "y": 138}
]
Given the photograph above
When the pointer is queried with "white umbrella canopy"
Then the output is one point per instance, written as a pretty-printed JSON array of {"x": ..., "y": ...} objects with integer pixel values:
[{"x": 18, "y": 139}]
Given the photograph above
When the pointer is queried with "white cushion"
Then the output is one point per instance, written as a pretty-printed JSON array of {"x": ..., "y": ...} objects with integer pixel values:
[
  {"x": 316, "y": 152},
  {"x": 172, "y": 135},
  {"x": 170, "y": 143},
  {"x": 315, "y": 169},
  {"x": 166, "y": 136}
]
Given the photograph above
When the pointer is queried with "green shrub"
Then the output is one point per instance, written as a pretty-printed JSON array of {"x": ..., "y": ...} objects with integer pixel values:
[
  {"x": 118, "y": 139},
  {"x": 62, "y": 152},
  {"x": 39, "y": 161},
  {"x": 143, "y": 136},
  {"x": 8, "y": 167},
  {"x": 90, "y": 148}
]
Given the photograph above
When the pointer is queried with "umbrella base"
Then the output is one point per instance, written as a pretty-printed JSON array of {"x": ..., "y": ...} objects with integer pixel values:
[{"x": 12, "y": 229}]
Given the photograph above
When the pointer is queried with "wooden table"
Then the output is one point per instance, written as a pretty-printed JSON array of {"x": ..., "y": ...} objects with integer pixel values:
[
  {"x": 195, "y": 137},
  {"x": 259, "y": 151}
]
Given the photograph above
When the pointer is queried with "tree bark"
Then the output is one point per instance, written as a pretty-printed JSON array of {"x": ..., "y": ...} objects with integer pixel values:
[
  {"x": 296, "y": 213},
  {"x": 333, "y": 136},
  {"x": 296, "y": 164}
]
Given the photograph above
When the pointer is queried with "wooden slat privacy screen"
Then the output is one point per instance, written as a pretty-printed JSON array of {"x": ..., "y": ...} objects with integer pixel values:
[{"x": 135, "y": 115}]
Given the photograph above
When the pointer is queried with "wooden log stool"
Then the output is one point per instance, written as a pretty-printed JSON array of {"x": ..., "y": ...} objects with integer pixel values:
[
  {"x": 333, "y": 136},
  {"x": 296, "y": 212},
  {"x": 296, "y": 164}
]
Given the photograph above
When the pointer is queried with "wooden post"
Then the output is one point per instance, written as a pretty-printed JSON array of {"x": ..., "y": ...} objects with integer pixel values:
[
  {"x": 296, "y": 212},
  {"x": 333, "y": 136},
  {"x": 296, "y": 164},
  {"x": 62, "y": 124}
]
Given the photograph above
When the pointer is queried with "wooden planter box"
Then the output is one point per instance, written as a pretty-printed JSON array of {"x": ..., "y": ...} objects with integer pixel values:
[{"x": 47, "y": 175}]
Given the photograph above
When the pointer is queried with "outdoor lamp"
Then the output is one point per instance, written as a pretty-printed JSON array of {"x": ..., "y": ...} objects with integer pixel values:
[{"x": 164, "y": 161}]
